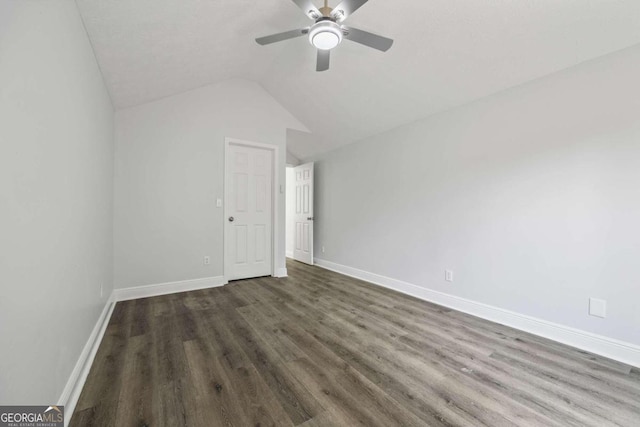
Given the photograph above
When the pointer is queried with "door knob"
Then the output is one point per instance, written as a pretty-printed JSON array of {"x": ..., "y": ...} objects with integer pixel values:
[
  {"x": 310, "y": 218},
  {"x": 231, "y": 219}
]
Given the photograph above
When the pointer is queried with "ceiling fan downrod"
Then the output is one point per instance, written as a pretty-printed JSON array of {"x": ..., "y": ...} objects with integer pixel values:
[{"x": 326, "y": 10}]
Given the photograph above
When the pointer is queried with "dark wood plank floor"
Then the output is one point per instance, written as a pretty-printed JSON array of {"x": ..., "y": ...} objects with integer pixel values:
[{"x": 322, "y": 349}]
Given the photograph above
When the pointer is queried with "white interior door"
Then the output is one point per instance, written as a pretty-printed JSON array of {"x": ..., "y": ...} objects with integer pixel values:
[
  {"x": 248, "y": 212},
  {"x": 303, "y": 242}
]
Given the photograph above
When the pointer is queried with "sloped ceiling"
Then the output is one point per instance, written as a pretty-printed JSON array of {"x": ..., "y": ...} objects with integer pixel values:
[{"x": 446, "y": 53}]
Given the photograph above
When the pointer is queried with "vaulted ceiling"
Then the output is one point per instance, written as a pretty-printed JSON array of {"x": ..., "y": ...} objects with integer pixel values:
[{"x": 446, "y": 53}]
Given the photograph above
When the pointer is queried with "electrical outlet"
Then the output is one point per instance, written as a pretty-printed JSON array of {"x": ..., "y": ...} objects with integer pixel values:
[
  {"x": 323, "y": 249},
  {"x": 448, "y": 275},
  {"x": 597, "y": 307},
  {"x": 207, "y": 260}
]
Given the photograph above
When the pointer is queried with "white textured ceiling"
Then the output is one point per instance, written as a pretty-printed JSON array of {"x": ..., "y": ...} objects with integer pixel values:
[{"x": 446, "y": 53}]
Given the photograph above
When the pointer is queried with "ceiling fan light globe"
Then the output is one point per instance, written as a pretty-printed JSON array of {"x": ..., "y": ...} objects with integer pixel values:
[
  {"x": 325, "y": 40},
  {"x": 325, "y": 35}
]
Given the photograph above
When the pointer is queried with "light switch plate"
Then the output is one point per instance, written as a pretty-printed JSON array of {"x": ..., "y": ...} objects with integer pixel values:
[
  {"x": 448, "y": 275},
  {"x": 218, "y": 203},
  {"x": 597, "y": 307}
]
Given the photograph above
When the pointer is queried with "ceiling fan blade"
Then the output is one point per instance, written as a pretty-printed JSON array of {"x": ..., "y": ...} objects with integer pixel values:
[
  {"x": 368, "y": 39},
  {"x": 346, "y": 8},
  {"x": 273, "y": 38},
  {"x": 323, "y": 60},
  {"x": 308, "y": 8}
]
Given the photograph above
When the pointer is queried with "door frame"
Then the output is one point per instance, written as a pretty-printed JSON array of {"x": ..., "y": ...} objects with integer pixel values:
[{"x": 275, "y": 163}]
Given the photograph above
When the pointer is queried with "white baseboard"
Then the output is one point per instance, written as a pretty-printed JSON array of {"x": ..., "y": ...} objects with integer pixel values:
[
  {"x": 75, "y": 383},
  {"x": 289, "y": 254},
  {"x": 146, "y": 291},
  {"x": 608, "y": 347},
  {"x": 280, "y": 272}
]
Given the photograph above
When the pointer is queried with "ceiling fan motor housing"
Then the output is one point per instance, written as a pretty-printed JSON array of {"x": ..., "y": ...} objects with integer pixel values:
[{"x": 325, "y": 34}]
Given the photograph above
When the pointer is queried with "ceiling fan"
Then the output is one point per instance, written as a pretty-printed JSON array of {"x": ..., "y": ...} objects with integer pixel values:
[{"x": 327, "y": 32}]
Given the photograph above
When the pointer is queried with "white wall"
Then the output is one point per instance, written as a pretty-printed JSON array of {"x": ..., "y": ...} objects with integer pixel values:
[
  {"x": 56, "y": 175},
  {"x": 169, "y": 171},
  {"x": 292, "y": 160},
  {"x": 531, "y": 196}
]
